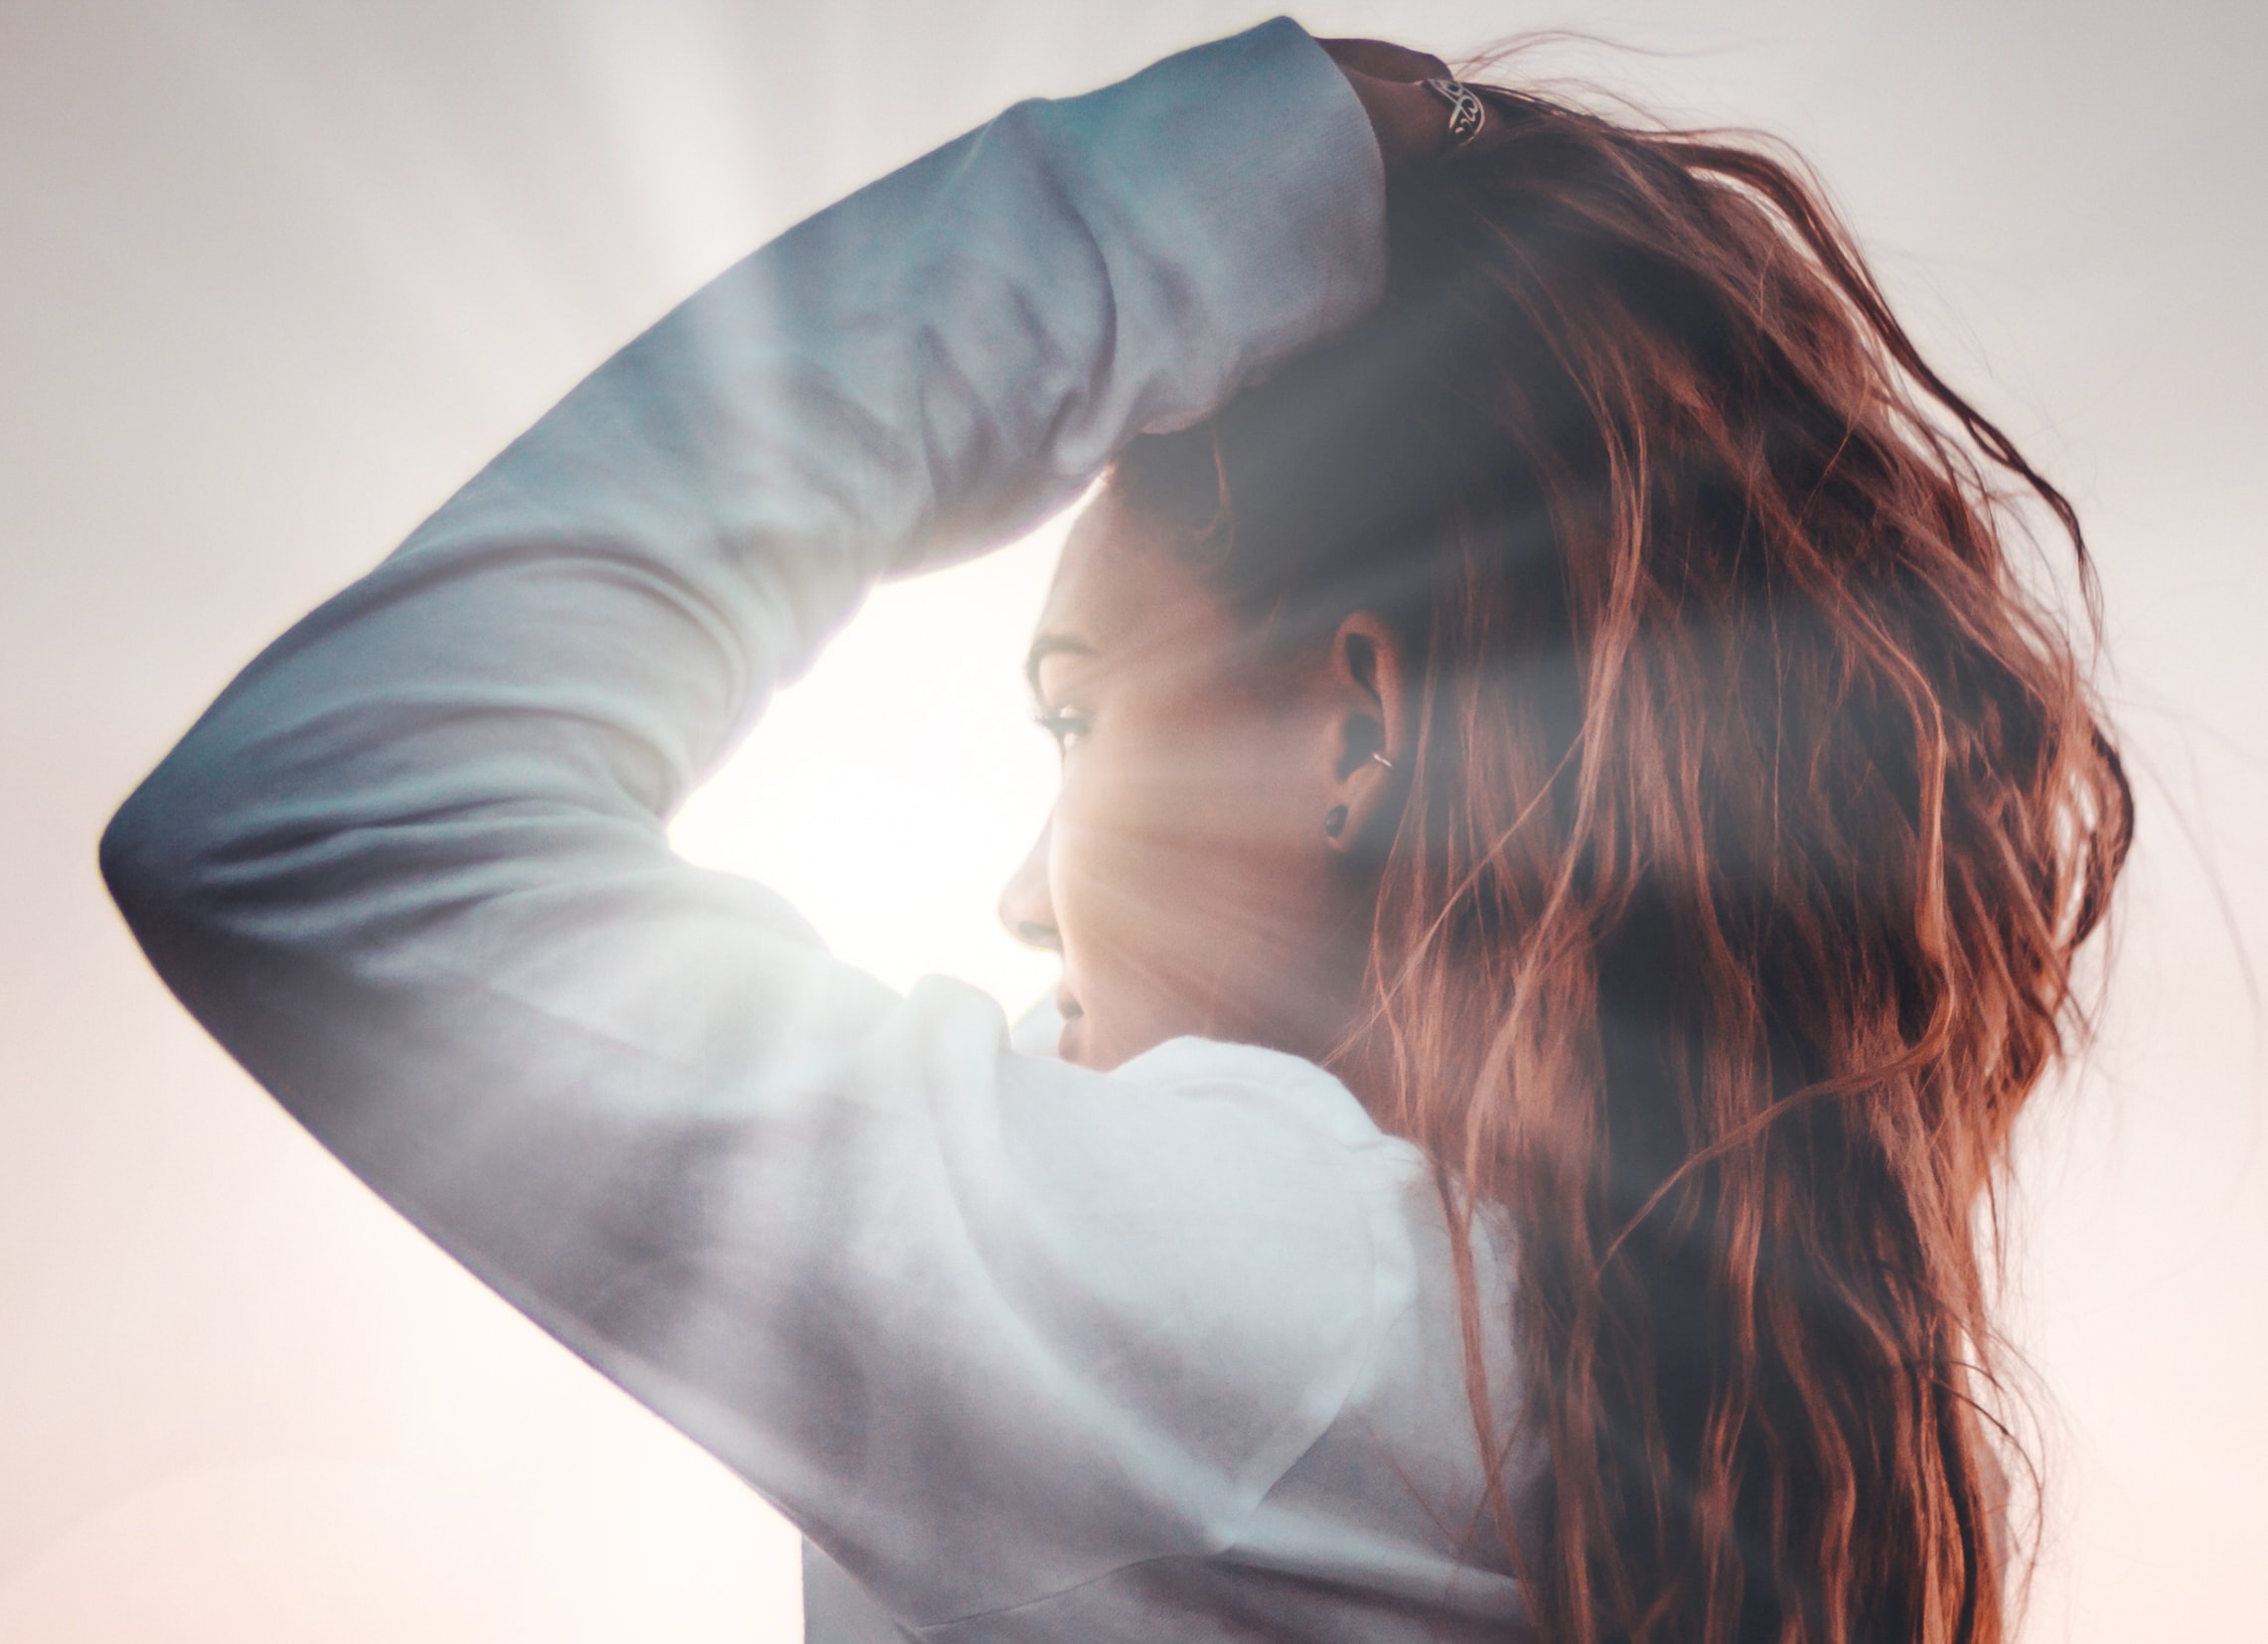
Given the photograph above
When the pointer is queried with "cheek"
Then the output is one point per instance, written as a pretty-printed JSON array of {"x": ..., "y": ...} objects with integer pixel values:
[{"x": 1176, "y": 880}]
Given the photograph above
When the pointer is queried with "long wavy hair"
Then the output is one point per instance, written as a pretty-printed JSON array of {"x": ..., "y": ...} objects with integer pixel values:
[{"x": 1759, "y": 807}]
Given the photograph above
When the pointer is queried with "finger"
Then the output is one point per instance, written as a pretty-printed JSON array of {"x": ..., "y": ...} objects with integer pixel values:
[{"x": 1383, "y": 60}]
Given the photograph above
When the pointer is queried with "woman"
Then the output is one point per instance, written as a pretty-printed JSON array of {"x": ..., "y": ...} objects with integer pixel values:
[{"x": 1572, "y": 846}]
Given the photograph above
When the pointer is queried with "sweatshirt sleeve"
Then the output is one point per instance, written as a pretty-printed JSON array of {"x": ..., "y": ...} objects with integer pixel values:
[{"x": 984, "y": 1326}]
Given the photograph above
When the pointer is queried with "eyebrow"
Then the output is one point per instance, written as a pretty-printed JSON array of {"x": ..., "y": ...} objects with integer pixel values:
[{"x": 1052, "y": 645}]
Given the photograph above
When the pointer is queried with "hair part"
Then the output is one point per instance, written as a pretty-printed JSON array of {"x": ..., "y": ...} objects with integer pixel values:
[{"x": 1756, "y": 814}]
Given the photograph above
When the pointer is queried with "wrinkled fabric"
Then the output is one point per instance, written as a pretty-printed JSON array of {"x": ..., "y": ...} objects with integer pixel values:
[{"x": 1025, "y": 1351}]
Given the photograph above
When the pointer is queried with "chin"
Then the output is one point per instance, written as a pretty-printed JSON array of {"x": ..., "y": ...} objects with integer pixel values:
[
  {"x": 1071, "y": 1043},
  {"x": 1085, "y": 1043}
]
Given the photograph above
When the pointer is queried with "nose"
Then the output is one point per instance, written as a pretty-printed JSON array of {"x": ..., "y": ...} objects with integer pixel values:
[{"x": 1027, "y": 908}]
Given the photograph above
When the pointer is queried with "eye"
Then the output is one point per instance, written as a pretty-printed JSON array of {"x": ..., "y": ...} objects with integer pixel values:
[{"x": 1065, "y": 724}]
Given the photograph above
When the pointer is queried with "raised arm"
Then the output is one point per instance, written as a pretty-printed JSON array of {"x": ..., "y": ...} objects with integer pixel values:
[{"x": 411, "y": 870}]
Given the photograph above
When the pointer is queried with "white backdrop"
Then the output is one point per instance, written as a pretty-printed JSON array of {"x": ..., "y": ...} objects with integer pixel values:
[{"x": 275, "y": 276}]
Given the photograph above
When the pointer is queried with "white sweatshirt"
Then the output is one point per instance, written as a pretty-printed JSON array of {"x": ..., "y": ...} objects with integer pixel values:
[{"x": 1026, "y": 1351}]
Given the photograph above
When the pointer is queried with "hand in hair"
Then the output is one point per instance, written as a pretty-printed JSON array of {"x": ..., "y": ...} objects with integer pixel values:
[{"x": 1410, "y": 122}]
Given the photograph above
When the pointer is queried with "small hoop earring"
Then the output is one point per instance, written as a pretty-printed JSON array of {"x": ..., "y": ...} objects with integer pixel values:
[
  {"x": 1381, "y": 759},
  {"x": 1334, "y": 822}
]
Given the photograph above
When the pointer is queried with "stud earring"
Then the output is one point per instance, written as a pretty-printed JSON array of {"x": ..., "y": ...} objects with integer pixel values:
[
  {"x": 1381, "y": 758},
  {"x": 1334, "y": 822}
]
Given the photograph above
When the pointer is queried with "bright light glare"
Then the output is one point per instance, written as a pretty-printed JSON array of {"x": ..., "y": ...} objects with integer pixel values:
[{"x": 889, "y": 793}]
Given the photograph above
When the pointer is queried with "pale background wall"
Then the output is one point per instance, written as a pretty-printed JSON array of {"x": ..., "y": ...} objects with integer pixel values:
[{"x": 274, "y": 277}]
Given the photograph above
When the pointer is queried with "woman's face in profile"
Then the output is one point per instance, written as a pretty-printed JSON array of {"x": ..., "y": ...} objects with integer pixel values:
[{"x": 1186, "y": 874}]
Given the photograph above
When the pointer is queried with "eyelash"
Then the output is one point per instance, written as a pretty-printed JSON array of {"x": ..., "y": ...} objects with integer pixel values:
[{"x": 1064, "y": 724}]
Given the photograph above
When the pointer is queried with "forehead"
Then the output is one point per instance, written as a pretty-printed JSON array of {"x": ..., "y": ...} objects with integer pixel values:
[{"x": 1120, "y": 588}]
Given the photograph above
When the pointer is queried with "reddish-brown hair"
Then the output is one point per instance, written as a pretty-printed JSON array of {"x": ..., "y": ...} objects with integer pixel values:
[{"x": 1755, "y": 816}]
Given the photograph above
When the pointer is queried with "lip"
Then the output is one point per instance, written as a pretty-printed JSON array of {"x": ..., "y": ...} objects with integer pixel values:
[{"x": 1068, "y": 1038}]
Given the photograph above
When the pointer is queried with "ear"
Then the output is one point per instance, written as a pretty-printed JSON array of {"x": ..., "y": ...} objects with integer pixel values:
[{"x": 1366, "y": 689}]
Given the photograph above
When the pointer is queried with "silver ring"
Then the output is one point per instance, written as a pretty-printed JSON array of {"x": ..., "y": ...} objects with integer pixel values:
[{"x": 1467, "y": 111}]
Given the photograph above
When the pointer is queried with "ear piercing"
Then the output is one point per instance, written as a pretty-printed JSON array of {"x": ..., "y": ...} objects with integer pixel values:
[{"x": 1336, "y": 818}]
